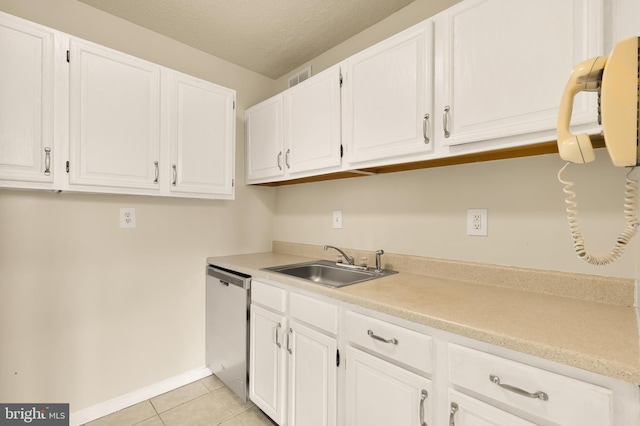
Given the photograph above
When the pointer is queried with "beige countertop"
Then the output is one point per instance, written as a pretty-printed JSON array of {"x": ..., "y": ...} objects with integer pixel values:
[{"x": 597, "y": 337}]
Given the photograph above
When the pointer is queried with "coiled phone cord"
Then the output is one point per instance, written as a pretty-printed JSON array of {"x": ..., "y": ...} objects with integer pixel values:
[{"x": 630, "y": 213}]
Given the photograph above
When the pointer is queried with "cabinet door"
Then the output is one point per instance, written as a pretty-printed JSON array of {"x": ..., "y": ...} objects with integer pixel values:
[
  {"x": 202, "y": 137},
  {"x": 379, "y": 393},
  {"x": 467, "y": 411},
  {"x": 312, "y": 131},
  {"x": 505, "y": 65},
  {"x": 26, "y": 104},
  {"x": 267, "y": 384},
  {"x": 264, "y": 141},
  {"x": 387, "y": 98},
  {"x": 312, "y": 377},
  {"x": 115, "y": 119}
]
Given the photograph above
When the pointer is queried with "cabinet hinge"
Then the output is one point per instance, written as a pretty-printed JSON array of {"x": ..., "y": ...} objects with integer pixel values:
[
  {"x": 68, "y": 56},
  {"x": 337, "y": 357},
  {"x": 67, "y": 167}
]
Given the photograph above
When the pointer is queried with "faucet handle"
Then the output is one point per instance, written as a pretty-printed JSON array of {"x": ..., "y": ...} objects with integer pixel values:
[{"x": 378, "y": 261}]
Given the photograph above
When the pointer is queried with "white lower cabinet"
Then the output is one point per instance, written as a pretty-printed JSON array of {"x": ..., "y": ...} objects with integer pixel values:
[
  {"x": 293, "y": 357},
  {"x": 379, "y": 393},
  {"x": 315, "y": 361},
  {"x": 312, "y": 376},
  {"x": 267, "y": 362},
  {"x": 543, "y": 394},
  {"x": 467, "y": 411}
]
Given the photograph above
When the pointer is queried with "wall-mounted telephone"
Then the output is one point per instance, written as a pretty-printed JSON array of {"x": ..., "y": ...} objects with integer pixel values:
[{"x": 617, "y": 80}]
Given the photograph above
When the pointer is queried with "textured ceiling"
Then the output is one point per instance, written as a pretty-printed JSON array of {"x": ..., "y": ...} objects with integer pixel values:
[{"x": 270, "y": 37}]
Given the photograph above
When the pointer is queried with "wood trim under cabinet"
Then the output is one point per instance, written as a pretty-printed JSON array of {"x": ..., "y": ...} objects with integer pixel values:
[{"x": 499, "y": 154}]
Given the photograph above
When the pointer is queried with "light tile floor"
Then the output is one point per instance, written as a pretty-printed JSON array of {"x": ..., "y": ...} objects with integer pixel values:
[{"x": 205, "y": 402}]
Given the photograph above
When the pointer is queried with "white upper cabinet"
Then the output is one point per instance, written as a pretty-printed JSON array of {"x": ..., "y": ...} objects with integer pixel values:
[
  {"x": 78, "y": 116},
  {"x": 312, "y": 131},
  {"x": 264, "y": 141},
  {"x": 202, "y": 137},
  {"x": 114, "y": 118},
  {"x": 502, "y": 67},
  {"x": 296, "y": 133},
  {"x": 388, "y": 99},
  {"x": 26, "y": 104}
]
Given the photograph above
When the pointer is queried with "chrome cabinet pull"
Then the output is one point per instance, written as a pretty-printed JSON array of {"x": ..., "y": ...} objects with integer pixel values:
[
  {"x": 289, "y": 341},
  {"x": 425, "y": 127},
  {"x": 445, "y": 121},
  {"x": 452, "y": 414},
  {"x": 47, "y": 161},
  {"x": 382, "y": 339},
  {"x": 286, "y": 158},
  {"x": 280, "y": 160},
  {"x": 155, "y": 163},
  {"x": 537, "y": 395},
  {"x": 175, "y": 174},
  {"x": 278, "y": 327},
  {"x": 423, "y": 397}
]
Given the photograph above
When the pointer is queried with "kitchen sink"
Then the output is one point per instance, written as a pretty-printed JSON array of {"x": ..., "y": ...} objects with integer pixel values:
[{"x": 329, "y": 273}]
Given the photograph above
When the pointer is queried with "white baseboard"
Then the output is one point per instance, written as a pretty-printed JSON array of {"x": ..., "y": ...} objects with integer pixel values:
[{"x": 101, "y": 409}]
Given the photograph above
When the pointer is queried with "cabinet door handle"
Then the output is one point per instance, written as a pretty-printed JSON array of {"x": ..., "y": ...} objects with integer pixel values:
[
  {"x": 47, "y": 161},
  {"x": 175, "y": 174},
  {"x": 289, "y": 334},
  {"x": 286, "y": 158},
  {"x": 423, "y": 397},
  {"x": 155, "y": 163},
  {"x": 280, "y": 160},
  {"x": 382, "y": 339},
  {"x": 445, "y": 121},
  {"x": 278, "y": 327},
  {"x": 452, "y": 414},
  {"x": 425, "y": 128},
  {"x": 537, "y": 395}
]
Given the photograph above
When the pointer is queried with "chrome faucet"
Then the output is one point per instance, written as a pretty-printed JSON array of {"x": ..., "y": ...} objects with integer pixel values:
[
  {"x": 345, "y": 255},
  {"x": 379, "y": 253}
]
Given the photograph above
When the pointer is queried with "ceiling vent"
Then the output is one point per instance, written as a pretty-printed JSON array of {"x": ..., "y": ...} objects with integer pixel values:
[{"x": 300, "y": 76}]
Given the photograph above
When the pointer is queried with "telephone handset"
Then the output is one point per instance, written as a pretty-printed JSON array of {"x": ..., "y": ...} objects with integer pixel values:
[{"x": 617, "y": 79}]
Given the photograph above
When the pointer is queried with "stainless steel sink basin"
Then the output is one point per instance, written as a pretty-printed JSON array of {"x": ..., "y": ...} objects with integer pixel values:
[{"x": 329, "y": 273}]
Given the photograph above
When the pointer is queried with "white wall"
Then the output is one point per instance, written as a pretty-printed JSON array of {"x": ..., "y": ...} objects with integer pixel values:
[
  {"x": 423, "y": 213},
  {"x": 89, "y": 311}
]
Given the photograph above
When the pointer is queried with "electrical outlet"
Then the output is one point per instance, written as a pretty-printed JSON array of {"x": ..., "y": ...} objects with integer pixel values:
[
  {"x": 337, "y": 219},
  {"x": 127, "y": 217},
  {"x": 477, "y": 222}
]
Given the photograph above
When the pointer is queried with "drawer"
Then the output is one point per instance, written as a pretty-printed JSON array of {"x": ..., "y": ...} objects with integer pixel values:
[
  {"x": 392, "y": 341},
  {"x": 568, "y": 401},
  {"x": 315, "y": 312},
  {"x": 268, "y": 295}
]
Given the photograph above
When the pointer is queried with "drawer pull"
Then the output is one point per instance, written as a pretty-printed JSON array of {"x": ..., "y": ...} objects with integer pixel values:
[
  {"x": 452, "y": 414},
  {"x": 423, "y": 396},
  {"x": 538, "y": 395},
  {"x": 382, "y": 339}
]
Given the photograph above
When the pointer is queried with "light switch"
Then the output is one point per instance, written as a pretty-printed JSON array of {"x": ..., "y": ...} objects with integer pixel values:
[{"x": 337, "y": 219}]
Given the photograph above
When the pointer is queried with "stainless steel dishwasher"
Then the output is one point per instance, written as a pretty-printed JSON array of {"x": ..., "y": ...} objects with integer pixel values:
[{"x": 227, "y": 327}]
